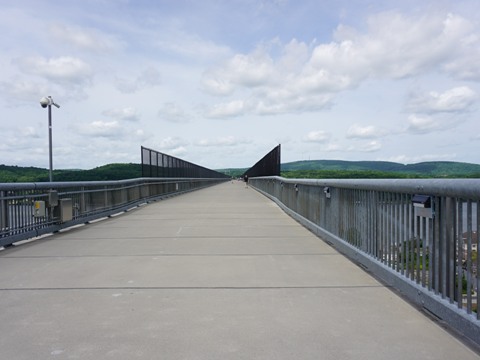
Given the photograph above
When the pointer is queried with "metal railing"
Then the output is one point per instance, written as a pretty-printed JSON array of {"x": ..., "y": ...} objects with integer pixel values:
[
  {"x": 418, "y": 236},
  {"x": 157, "y": 164},
  {"x": 28, "y": 210},
  {"x": 269, "y": 165}
]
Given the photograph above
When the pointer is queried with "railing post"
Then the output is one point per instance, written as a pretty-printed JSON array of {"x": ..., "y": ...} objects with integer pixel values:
[{"x": 3, "y": 211}]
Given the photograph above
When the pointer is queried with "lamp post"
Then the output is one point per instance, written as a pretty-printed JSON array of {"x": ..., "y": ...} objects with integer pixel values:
[{"x": 48, "y": 102}]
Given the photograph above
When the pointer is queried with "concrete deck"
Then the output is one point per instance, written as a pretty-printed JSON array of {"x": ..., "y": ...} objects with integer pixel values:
[{"x": 220, "y": 273}]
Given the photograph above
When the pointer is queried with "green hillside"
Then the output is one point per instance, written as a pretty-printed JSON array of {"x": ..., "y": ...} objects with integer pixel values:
[
  {"x": 315, "y": 169},
  {"x": 379, "y": 169},
  {"x": 106, "y": 172}
]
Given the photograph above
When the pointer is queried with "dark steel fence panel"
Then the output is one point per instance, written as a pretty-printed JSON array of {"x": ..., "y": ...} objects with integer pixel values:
[
  {"x": 157, "y": 164},
  {"x": 269, "y": 165}
]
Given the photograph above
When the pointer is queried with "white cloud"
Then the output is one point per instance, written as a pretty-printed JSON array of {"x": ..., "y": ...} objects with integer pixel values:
[
  {"x": 150, "y": 77},
  {"x": 370, "y": 146},
  {"x": 129, "y": 114},
  {"x": 188, "y": 45},
  {"x": 226, "y": 141},
  {"x": 173, "y": 146},
  {"x": 365, "y": 132},
  {"x": 29, "y": 132},
  {"x": 397, "y": 45},
  {"x": 458, "y": 99},
  {"x": 226, "y": 110},
  {"x": 251, "y": 70},
  {"x": 85, "y": 38},
  {"x": 170, "y": 143},
  {"x": 305, "y": 78},
  {"x": 107, "y": 129},
  {"x": 284, "y": 101},
  {"x": 173, "y": 113},
  {"x": 217, "y": 84},
  {"x": 179, "y": 151},
  {"x": 63, "y": 69},
  {"x": 422, "y": 124},
  {"x": 18, "y": 90},
  {"x": 463, "y": 64},
  {"x": 317, "y": 136},
  {"x": 242, "y": 70}
]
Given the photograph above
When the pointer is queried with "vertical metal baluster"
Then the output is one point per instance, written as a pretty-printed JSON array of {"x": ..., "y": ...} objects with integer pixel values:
[
  {"x": 383, "y": 230},
  {"x": 424, "y": 247},
  {"x": 477, "y": 239},
  {"x": 469, "y": 257},
  {"x": 389, "y": 230},
  {"x": 407, "y": 238},
  {"x": 459, "y": 254},
  {"x": 416, "y": 246}
]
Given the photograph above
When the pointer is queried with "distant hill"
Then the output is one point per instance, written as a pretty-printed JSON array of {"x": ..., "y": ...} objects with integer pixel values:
[
  {"x": 435, "y": 169},
  {"x": 106, "y": 172},
  {"x": 319, "y": 169}
]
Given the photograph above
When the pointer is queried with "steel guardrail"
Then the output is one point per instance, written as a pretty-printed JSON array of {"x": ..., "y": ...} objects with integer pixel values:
[
  {"x": 419, "y": 236},
  {"x": 87, "y": 201}
]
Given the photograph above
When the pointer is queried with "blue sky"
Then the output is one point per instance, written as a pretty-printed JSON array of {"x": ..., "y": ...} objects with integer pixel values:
[{"x": 220, "y": 83}]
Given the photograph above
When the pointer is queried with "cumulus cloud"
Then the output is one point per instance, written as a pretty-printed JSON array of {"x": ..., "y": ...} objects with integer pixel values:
[
  {"x": 173, "y": 146},
  {"x": 463, "y": 64},
  {"x": 397, "y": 45},
  {"x": 423, "y": 124},
  {"x": 370, "y": 146},
  {"x": 171, "y": 143},
  {"x": 357, "y": 147},
  {"x": 149, "y": 77},
  {"x": 221, "y": 142},
  {"x": 243, "y": 70},
  {"x": 18, "y": 90},
  {"x": 458, "y": 99},
  {"x": 300, "y": 77},
  {"x": 85, "y": 38},
  {"x": 29, "y": 132},
  {"x": 275, "y": 101},
  {"x": 286, "y": 101},
  {"x": 62, "y": 70},
  {"x": 226, "y": 110},
  {"x": 179, "y": 151},
  {"x": 173, "y": 113},
  {"x": 106, "y": 129},
  {"x": 128, "y": 114},
  {"x": 217, "y": 84},
  {"x": 317, "y": 136},
  {"x": 188, "y": 45},
  {"x": 365, "y": 132}
]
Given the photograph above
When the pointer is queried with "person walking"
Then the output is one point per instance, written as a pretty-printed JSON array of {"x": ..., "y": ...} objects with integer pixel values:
[{"x": 246, "y": 180}]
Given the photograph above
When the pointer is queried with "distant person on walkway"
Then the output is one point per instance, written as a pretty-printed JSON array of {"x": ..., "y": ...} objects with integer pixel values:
[{"x": 246, "y": 180}]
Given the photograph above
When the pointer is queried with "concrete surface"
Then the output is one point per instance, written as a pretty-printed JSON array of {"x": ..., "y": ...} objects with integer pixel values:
[{"x": 220, "y": 273}]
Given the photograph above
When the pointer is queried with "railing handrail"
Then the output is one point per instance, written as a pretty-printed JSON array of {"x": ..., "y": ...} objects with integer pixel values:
[
  {"x": 69, "y": 184},
  {"x": 463, "y": 188}
]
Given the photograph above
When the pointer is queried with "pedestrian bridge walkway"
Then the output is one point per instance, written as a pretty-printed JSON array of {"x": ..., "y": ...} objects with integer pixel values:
[{"x": 220, "y": 273}]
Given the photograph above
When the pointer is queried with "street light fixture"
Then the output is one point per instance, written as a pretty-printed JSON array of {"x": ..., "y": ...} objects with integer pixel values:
[{"x": 48, "y": 102}]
